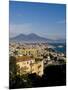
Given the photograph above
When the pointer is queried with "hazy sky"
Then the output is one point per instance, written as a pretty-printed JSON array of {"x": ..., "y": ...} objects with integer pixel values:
[{"x": 47, "y": 20}]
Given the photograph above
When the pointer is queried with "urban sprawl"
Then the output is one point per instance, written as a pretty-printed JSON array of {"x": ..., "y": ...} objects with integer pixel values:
[{"x": 34, "y": 57}]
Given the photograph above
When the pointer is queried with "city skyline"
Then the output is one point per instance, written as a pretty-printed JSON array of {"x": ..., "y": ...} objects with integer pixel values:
[{"x": 46, "y": 20}]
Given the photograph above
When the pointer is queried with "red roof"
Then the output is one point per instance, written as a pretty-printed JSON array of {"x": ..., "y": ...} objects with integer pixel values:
[{"x": 23, "y": 58}]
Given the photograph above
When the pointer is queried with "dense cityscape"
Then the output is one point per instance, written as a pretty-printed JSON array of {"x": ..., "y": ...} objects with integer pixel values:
[{"x": 33, "y": 58}]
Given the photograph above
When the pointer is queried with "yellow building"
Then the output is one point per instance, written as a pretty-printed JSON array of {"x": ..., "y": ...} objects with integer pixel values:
[
  {"x": 29, "y": 65},
  {"x": 29, "y": 52}
]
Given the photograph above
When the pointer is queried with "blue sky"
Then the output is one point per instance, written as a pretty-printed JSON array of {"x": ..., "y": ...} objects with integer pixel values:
[{"x": 47, "y": 20}]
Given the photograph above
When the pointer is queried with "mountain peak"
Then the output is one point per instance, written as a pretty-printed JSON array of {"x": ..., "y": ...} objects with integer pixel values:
[
  {"x": 32, "y": 34},
  {"x": 29, "y": 38},
  {"x": 21, "y": 34}
]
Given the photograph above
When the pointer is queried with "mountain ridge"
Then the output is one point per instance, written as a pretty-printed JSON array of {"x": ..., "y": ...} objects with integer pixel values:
[{"x": 33, "y": 38}]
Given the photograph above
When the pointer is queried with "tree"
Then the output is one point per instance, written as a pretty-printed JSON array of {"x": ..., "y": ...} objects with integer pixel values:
[
  {"x": 12, "y": 66},
  {"x": 51, "y": 56},
  {"x": 15, "y": 80},
  {"x": 16, "y": 52},
  {"x": 12, "y": 70}
]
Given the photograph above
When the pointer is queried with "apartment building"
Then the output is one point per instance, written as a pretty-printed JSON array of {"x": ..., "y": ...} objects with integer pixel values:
[
  {"x": 29, "y": 65},
  {"x": 29, "y": 52}
]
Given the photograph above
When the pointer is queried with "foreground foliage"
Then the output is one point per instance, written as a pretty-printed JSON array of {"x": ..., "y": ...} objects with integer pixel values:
[{"x": 54, "y": 75}]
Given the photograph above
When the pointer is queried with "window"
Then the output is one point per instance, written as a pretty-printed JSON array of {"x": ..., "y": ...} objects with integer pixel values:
[
  {"x": 39, "y": 66},
  {"x": 38, "y": 72},
  {"x": 27, "y": 62}
]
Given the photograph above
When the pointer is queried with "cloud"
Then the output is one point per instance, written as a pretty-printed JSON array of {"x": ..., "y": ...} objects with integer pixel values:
[
  {"x": 61, "y": 22},
  {"x": 16, "y": 29}
]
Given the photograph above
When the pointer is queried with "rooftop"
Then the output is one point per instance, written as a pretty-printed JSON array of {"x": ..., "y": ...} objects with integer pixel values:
[{"x": 23, "y": 58}]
